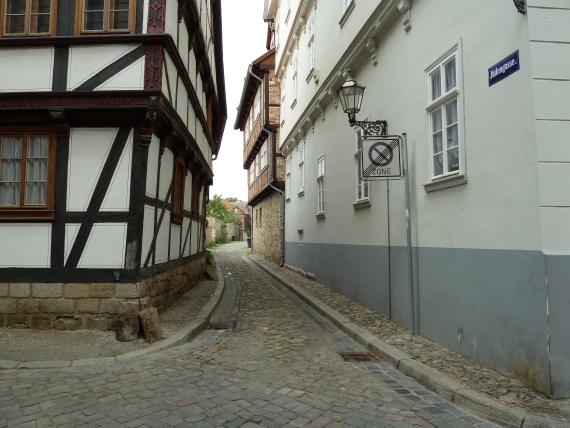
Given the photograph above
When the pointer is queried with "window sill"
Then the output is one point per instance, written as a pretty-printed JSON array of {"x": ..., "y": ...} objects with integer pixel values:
[
  {"x": 363, "y": 203},
  {"x": 320, "y": 216},
  {"x": 301, "y": 194},
  {"x": 293, "y": 104},
  {"x": 446, "y": 182},
  {"x": 310, "y": 75},
  {"x": 22, "y": 214},
  {"x": 346, "y": 14}
]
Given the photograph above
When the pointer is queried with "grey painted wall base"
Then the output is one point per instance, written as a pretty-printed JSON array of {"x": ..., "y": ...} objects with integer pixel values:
[{"x": 490, "y": 305}]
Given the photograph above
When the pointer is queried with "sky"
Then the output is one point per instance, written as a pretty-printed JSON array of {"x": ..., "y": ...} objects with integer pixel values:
[{"x": 244, "y": 37}]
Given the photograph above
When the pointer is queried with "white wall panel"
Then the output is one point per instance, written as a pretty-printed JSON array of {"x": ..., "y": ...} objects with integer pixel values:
[
  {"x": 152, "y": 166},
  {"x": 88, "y": 150},
  {"x": 185, "y": 225},
  {"x": 551, "y": 99},
  {"x": 105, "y": 246},
  {"x": 118, "y": 194},
  {"x": 555, "y": 228},
  {"x": 131, "y": 78},
  {"x": 166, "y": 165},
  {"x": 553, "y": 140},
  {"x": 182, "y": 102},
  {"x": 28, "y": 69},
  {"x": 25, "y": 245},
  {"x": 148, "y": 231},
  {"x": 175, "y": 241},
  {"x": 554, "y": 179},
  {"x": 549, "y": 24},
  {"x": 71, "y": 230},
  {"x": 86, "y": 61},
  {"x": 171, "y": 18},
  {"x": 162, "y": 240},
  {"x": 145, "y": 17},
  {"x": 169, "y": 79},
  {"x": 550, "y": 60}
]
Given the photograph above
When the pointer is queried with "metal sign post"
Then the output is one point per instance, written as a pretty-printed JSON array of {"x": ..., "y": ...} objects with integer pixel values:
[{"x": 385, "y": 157}]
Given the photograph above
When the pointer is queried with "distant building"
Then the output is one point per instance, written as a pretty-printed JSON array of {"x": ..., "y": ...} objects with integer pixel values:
[
  {"x": 109, "y": 118},
  {"x": 258, "y": 118},
  {"x": 483, "y": 91}
]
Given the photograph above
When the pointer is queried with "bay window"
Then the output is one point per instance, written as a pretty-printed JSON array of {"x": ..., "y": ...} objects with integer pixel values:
[
  {"x": 27, "y": 17},
  {"x": 26, "y": 173}
]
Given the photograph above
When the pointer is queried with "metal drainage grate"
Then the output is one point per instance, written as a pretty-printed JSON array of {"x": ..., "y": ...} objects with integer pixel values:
[
  {"x": 358, "y": 356},
  {"x": 223, "y": 325}
]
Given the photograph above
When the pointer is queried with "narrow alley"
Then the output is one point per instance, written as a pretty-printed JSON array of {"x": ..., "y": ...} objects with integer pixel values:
[{"x": 280, "y": 366}]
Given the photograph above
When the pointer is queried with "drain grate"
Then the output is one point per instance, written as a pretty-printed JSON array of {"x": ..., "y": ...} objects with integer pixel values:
[
  {"x": 223, "y": 325},
  {"x": 358, "y": 356}
]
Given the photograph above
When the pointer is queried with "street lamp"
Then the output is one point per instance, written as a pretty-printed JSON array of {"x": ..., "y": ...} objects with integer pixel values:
[{"x": 350, "y": 95}]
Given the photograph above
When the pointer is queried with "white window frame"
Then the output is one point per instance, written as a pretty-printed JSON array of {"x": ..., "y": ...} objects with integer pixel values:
[
  {"x": 294, "y": 79},
  {"x": 288, "y": 179},
  {"x": 361, "y": 185},
  {"x": 263, "y": 156},
  {"x": 346, "y": 8},
  {"x": 439, "y": 103},
  {"x": 301, "y": 150},
  {"x": 311, "y": 29},
  {"x": 321, "y": 189}
]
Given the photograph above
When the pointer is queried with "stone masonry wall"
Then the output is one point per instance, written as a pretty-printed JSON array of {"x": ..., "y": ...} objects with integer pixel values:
[
  {"x": 267, "y": 235},
  {"x": 91, "y": 305}
]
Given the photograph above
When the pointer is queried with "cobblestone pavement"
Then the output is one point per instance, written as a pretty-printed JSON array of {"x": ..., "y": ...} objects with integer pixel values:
[
  {"x": 279, "y": 367},
  {"x": 467, "y": 371}
]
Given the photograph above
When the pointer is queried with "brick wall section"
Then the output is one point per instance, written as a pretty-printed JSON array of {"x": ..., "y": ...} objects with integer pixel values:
[
  {"x": 91, "y": 305},
  {"x": 267, "y": 237}
]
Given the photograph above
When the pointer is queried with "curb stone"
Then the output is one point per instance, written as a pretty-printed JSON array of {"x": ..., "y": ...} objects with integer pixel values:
[
  {"x": 427, "y": 376},
  {"x": 190, "y": 331}
]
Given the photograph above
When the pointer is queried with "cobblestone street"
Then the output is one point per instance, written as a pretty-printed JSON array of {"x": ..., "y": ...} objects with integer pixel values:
[{"x": 280, "y": 366}]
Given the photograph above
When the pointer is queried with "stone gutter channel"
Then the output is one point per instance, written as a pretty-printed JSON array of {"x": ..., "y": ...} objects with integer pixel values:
[
  {"x": 438, "y": 382},
  {"x": 190, "y": 331}
]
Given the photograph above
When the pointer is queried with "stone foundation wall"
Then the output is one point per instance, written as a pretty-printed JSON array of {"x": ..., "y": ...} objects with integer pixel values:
[
  {"x": 267, "y": 230},
  {"x": 92, "y": 305}
]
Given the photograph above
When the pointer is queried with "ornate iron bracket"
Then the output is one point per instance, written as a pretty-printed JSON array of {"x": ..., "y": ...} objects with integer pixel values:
[
  {"x": 521, "y": 6},
  {"x": 378, "y": 127}
]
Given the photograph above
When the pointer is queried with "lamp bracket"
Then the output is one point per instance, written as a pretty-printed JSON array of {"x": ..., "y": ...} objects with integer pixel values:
[{"x": 378, "y": 127}]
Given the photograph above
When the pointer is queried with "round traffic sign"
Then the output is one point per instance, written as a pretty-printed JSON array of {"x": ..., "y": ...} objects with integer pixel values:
[{"x": 380, "y": 154}]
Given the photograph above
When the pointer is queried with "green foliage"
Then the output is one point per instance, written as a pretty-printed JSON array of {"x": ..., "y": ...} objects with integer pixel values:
[
  {"x": 232, "y": 199},
  {"x": 219, "y": 241},
  {"x": 217, "y": 209}
]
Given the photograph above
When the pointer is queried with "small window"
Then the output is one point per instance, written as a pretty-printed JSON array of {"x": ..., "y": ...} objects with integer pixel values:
[
  {"x": 345, "y": 4},
  {"x": 107, "y": 15},
  {"x": 261, "y": 217},
  {"x": 321, "y": 185},
  {"x": 445, "y": 126},
  {"x": 301, "y": 150},
  {"x": 196, "y": 189},
  {"x": 311, "y": 42},
  {"x": 362, "y": 187},
  {"x": 178, "y": 190},
  {"x": 288, "y": 179},
  {"x": 27, "y": 162},
  {"x": 263, "y": 156},
  {"x": 28, "y": 17},
  {"x": 294, "y": 80}
]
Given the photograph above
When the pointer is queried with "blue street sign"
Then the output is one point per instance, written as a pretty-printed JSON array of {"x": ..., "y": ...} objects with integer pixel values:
[{"x": 504, "y": 68}]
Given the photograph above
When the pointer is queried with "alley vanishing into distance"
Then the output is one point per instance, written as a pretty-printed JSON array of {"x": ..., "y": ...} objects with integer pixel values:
[{"x": 279, "y": 366}]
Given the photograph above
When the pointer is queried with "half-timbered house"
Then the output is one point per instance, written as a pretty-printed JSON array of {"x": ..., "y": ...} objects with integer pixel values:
[
  {"x": 110, "y": 114},
  {"x": 258, "y": 118}
]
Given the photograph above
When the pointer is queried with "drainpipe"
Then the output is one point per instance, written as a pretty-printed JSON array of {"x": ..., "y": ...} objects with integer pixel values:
[{"x": 268, "y": 132}]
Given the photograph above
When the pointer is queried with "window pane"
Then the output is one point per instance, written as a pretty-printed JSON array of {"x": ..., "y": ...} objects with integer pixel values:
[
  {"x": 451, "y": 113},
  {"x": 438, "y": 164},
  {"x": 11, "y": 148},
  {"x": 39, "y": 24},
  {"x": 36, "y": 193},
  {"x": 119, "y": 4},
  {"x": 98, "y": 5},
  {"x": 41, "y": 6},
  {"x": 452, "y": 136},
  {"x": 15, "y": 24},
  {"x": 9, "y": 194},
  {"x": 119, "y": 20},
  {"x": 453, "y": 159},
  {"x": 438, "y": 142},
  {"x": 436, "y": 84},
  {"x": 93, "y": 21},
  {"x": 16, "y": 7},
  {"x": 365, "y": 189},
  {"x": 10, "y": 170},
  {"x": 436, "y": 120},
  {"x": 38, "y": 146},
  {"x": 450, "y": 75}
]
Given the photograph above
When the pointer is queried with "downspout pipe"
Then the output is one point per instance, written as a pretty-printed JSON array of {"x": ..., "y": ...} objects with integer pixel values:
[{"x": 281, "y": 192}]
